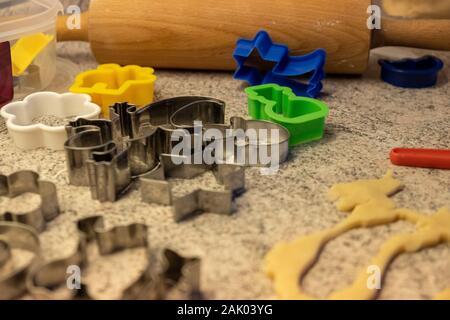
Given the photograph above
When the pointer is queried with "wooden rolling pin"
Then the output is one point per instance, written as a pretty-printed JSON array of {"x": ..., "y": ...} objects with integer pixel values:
[{"x": 201, "y": 34}]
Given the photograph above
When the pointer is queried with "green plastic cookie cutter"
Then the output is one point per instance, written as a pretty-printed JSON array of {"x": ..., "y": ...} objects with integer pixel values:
[{"x": 303, "y": 117}]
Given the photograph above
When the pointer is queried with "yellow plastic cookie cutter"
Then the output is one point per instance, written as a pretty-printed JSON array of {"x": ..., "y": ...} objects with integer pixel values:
[
  {"x": 111, "y": 83},
  {"x": 26, "y": 49},
  {"x": 288, "y": 262}
]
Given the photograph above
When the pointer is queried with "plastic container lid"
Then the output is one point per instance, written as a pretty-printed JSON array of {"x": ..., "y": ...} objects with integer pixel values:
[{"x": 23, "y": 17}]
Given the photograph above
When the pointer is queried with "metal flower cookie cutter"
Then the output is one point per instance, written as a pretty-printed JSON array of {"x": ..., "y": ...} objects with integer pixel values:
[
  {"x": 19, "y": 230},
  {"x": 111, "y": 83},
  {"x": 21, "y": 182},
  {"x": 23, "y": 118},
  {"x": 303, "y": 117},
  {"x": 15, "y": 235}
]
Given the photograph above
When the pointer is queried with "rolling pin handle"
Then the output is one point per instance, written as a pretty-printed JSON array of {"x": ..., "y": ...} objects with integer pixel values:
[{"x": 415, "y": 33}]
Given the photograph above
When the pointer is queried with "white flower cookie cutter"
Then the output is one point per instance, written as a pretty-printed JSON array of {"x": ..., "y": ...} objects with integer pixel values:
[{"x": 20, "y": 117}]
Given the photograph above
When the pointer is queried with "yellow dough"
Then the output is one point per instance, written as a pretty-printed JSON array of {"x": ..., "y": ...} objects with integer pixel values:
[
  {"x": 370, "y": 205},
  {"x": 418, "y": 8}
]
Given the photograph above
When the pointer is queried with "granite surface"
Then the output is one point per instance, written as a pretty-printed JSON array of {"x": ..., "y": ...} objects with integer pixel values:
[{"x": 367, "y": 119}]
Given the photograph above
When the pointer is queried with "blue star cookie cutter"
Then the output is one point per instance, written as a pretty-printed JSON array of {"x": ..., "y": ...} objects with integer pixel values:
[
  {"x": 411, "y": 73},
  {"x": 284, "y": 68}
]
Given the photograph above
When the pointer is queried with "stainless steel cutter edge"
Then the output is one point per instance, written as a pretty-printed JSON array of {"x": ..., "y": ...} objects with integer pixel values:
[
  {"x": 47, "y": 280},
  {"x": 25, "y": 181},
  {"x": 156, "y": 189}
]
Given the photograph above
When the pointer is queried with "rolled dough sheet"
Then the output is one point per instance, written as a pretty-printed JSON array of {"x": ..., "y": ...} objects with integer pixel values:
[{"x": 418, "y": 8}]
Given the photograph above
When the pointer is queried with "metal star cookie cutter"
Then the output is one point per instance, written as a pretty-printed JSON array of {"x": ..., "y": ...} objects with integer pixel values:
[
  {"x": 284, "y": 67},
  {"x": 47, "y": 280},
  {"x": 21, "y": 182},
  {"x": 14, "y": 235},
  {"x": 156, "y": 189}
]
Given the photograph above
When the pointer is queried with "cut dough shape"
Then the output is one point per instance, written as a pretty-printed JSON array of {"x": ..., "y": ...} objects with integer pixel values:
[{"x": 288, "y": 262}]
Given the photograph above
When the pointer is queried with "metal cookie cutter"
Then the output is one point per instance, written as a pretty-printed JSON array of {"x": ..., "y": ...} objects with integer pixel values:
[
  {"x": 267, "y": 146},
  {"x": 149, "y": 130},
  {"x": 303, "y": 117},
  {"x": 95, "y": 160},
  {"x": 283, "y": 66},
  {"x": 156, "y": 189},
  {"x": 48, "y": 280},
  {"x": 158, "y": 114},
  {"x": 22, "y": 182},
  {"x": 106, "y": 154},
  {"x": 249, "y": 139},
  {"x": 16, "y": 236}
]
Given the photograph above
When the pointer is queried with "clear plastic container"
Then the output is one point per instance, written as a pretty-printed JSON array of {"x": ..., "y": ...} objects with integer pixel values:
[{"x": 30, "y": 28}]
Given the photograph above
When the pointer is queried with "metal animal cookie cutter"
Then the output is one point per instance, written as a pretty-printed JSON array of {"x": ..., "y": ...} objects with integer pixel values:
[
  {"x": 22, "y": 182},
  {"x": 16, "y": 236},
  {"x": 156, "y": 189},
  {"x": 106, "y": 154},
  {"x": 149, "y": 130},
  {"x": 48, "y": 280}
]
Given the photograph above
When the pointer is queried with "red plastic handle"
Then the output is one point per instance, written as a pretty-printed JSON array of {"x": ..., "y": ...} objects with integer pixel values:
[{"x": 421, "y": 158}]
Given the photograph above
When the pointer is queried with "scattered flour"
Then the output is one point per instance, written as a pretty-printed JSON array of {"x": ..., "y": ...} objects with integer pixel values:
[
  {"x": 20, "y": 204},
  {"x": 52, "y": 121}
]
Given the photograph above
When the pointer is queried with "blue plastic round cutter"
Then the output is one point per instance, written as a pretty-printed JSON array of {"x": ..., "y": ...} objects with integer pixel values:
[{"x": 411, "y": 73}]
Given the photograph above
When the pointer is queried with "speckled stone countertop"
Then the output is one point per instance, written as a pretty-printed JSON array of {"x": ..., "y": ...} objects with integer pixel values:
[{"x": 367, "y": 119}]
